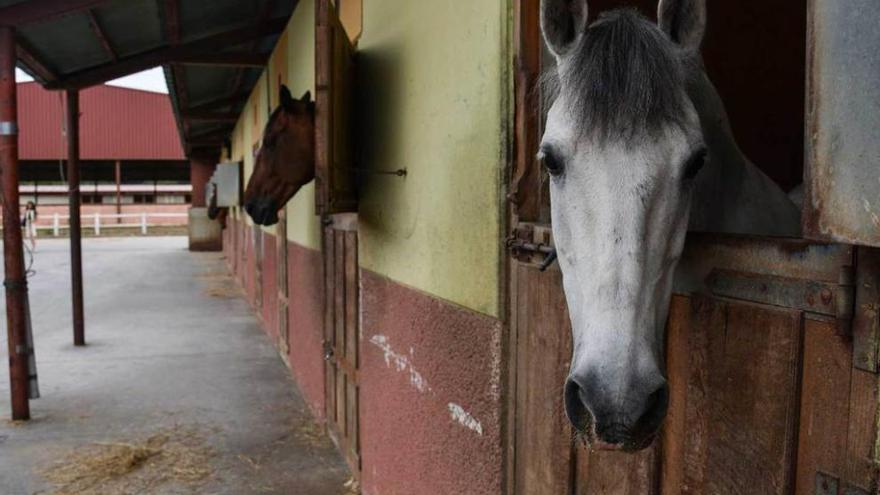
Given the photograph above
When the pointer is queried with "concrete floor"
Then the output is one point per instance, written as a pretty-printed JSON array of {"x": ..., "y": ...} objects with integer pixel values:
[{"x": 171, "y": 347}]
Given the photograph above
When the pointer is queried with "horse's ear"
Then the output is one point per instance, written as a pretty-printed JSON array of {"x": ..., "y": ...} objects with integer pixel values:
[
  {"x": 684, "y": 21},
  {"x": 563, "y": 22},
  {"x": 287, "y": 101},
  {"x": 306, "y": 98}
]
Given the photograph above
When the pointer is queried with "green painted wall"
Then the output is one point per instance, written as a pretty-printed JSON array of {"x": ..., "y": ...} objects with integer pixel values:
[
  {"x": 303, "y": 227},
  {"x": 433, "y": 89},
  {"x": 293, "y": 61},
  {"x": 433, "y": 93}
]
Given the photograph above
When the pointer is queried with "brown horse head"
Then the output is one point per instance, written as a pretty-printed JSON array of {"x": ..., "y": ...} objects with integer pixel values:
[{"x": 285, "y": 161}]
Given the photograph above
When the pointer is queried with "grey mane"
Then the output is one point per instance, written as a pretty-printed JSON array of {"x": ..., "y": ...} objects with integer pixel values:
[{"x": 624, "y": 78}]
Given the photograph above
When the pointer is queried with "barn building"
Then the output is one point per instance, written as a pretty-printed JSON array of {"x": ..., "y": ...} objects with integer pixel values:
[{"x": 132, "y": 160}]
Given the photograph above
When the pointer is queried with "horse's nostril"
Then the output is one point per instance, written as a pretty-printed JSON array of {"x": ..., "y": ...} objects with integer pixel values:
[
  {"x": 576, "y": 409},
  {"x": 655, "y": 410}
]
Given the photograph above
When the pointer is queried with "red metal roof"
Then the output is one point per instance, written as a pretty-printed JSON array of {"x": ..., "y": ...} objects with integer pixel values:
[{"x": 116, "y": 124}]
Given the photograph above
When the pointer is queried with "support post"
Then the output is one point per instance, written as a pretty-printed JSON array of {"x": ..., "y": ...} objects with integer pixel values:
[
  {"x": 56, "y": 225},
  {"x": 118, "y": 190},
  {"x": 79, "y": 333},
  {"x": 13, "y": 255}
]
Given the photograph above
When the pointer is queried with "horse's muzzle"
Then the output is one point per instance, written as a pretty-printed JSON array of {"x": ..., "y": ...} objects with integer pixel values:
[{"x": 263, "y": 211}]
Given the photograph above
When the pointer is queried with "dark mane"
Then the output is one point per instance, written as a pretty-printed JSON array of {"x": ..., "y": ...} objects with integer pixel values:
[{"x": 626, "y": 77}]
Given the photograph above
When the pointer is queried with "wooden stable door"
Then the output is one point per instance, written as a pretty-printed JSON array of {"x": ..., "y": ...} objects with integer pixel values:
[
  {"x": 773, "y": 384},
  {"x": 341, "y": 332},
  {"x": 281, "y": 265}
]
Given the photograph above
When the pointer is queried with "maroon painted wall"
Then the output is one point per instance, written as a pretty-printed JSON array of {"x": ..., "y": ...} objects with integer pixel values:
[
  {"x": 422, "y": 359},
  {"x": 306, "y": 316},
  {"x": 269, "y": 310},
  {"x": 305, "y": 312},
  {"x": 430, "y": 374}
]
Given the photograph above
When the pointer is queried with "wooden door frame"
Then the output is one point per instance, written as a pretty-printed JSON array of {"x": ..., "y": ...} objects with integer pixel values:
[
  {"x": 524, "y": 176},
  {"x": 282, "y": 268},
  {"x": 346, "y": 223}
]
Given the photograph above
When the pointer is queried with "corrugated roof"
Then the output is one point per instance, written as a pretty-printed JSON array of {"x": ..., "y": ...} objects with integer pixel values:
[
  {"x": 116, "y": 124},
  {"x": 213, "y": 51}
]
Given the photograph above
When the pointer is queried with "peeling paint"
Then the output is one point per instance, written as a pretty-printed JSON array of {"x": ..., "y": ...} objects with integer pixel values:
[
  {"x": 461, "y": 416},
  {"x": 401, "y": 363},
  {"x": 875, "y": 219}
]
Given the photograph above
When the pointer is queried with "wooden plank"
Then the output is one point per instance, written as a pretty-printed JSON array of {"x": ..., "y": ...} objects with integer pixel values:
[
  {"x": 351, "y": 344},
  {"x": 329, "y": 250},
  {"x": 339, "y": 326},
  {"x": 824, "y": 405},
  {"x": 617, "y": 473},
  {"x": 351, "y": 428},
  {"x": 351, "y": 299},
  {"x": 860, "y": 457},
  {"x": 676, "y": 426},
  {"x": 336, "y": 190},
  {"x": 543, "y": 436},
  {"x": 708, "y": 318},
  {"x": 750, "y": 383},
  {"x": 525, "y": 189}
]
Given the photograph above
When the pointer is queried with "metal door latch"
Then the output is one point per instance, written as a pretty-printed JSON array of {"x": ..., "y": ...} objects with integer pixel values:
[
  {"x": 522, "y": 246},
  {"x": 329, "y": 353}
]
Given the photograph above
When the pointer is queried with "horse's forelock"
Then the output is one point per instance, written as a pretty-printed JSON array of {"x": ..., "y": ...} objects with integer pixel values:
[{"x": 625, "y": 78}]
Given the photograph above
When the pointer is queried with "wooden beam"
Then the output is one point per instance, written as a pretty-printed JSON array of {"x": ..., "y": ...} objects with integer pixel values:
[
  {"x": 171, "y": 14},
  {"x": 242, "y": 59},
  {"x": 44, "y": 10},
  {"x": 211, "y": 105},
  {"x": 229, "y": 118},
  {"x": 25, "y": 54},
  {"x": 172, "y": 21},
  {"x": 164, "y": 55},
  {"x": 101, "y": 35},
  {"x": 208, "y": 143},
  {"x": 212, "y": 134}
]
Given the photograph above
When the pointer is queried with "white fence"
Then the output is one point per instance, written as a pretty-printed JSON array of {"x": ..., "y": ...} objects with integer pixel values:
[{"x": 105, "y": 221}]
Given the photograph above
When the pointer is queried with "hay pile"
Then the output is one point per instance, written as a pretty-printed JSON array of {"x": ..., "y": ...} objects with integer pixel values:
[
  {"x": 220, "y": 285},
  {"x": 173, "y": 456}
]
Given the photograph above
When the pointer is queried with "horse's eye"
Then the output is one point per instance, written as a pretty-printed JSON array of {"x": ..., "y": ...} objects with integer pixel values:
[
  {"x": 696, "y": 163},
  {"x": 555, "y": 165}
]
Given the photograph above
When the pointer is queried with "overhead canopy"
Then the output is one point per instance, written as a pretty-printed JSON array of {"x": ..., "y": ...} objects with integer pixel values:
[{"x": 213, "y": 51}]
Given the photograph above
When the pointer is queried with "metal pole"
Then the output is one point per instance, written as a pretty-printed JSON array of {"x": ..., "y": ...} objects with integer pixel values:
[
  {"x": 13, "y": 256},
  {"x": 118, "y": 191},
  {"x": 79, "y": 331}
]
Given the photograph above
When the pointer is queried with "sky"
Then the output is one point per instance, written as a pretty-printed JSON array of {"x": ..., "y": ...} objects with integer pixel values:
[{"x": 148, "y": 80}]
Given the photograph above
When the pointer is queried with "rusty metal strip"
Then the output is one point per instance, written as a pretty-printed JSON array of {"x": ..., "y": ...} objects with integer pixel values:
[{"x": 806, "y": 295}]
